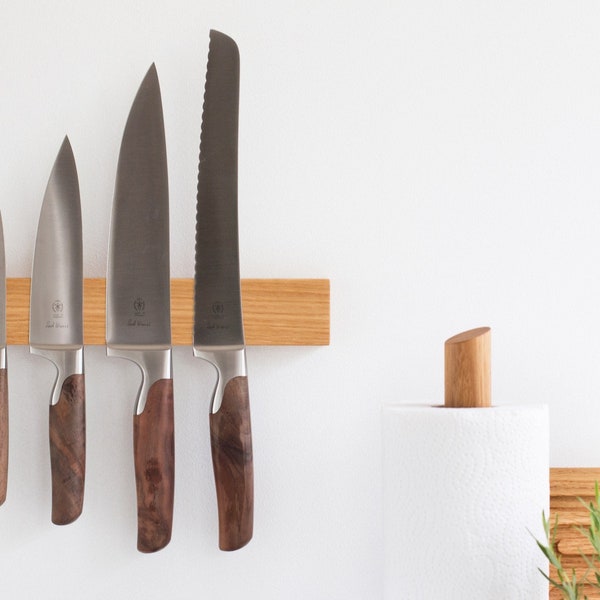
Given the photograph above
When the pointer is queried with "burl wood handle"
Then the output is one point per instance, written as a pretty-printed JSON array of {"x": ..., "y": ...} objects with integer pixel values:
[
  {"x": 3, "y": 434},
  {"x": 154, "y": 457},
  {"x": 67, "y": 450},
  {"x": 231, "y": 443}
]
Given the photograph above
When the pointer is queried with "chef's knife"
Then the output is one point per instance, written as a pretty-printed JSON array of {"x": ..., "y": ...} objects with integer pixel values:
[
  {"x": 3, "y": 375},
  {"x": 218, "y": 327},
  {"x": 138, "y": 312},
  {"x": 56, "y": 330}
]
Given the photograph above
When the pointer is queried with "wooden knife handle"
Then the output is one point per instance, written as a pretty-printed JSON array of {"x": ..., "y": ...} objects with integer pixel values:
[
  {"x": 67, "y": 450},
  {"x": 231, "y": 443},
  {"x": 154, "y": 457},
  {"x": 3, "y": 434}
]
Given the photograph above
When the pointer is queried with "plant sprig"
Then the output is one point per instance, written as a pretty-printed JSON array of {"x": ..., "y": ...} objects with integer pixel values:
[{"x": 568, "y": 584}]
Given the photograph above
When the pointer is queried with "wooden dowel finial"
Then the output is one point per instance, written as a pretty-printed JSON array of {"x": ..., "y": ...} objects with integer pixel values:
[{"x": 467, "y": 369}]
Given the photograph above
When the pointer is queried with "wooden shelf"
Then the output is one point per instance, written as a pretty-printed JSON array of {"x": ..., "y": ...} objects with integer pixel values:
[
  {"x": 277, "y": 312},
  {"x": 566, "y": 486}
]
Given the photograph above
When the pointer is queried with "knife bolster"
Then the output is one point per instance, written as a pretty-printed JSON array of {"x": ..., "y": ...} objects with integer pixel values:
[
  {"x": 155, "y": 364},
  {"x": 68, "y": 361},
  {"x": 229, "y": 363}
]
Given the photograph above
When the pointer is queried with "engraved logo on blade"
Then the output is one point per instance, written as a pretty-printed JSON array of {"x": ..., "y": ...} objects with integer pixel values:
[
  {"x": 139, "y": 307},
  {"x": 139, "y": 310},
  {"x": 57, "y": 311},
  {"x": 218, "y": 320}
]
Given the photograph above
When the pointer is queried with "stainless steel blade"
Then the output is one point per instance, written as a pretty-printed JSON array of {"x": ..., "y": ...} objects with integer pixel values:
[
  {"x": 2, "y": 301},
  {"x": 138, "y": 281},
  {"x": 217, "y": 297},
  {"x": 56, "y": 320},
  {"x": 2, "y": 293}
]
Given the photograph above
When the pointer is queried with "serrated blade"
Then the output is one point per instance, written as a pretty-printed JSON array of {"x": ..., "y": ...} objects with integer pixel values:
[
  {"x": 218, "y": 327},
  {"x": 138, "y": 280},
  {"x": 217, "y": 297},
  {"x": 57, "y": 280}
]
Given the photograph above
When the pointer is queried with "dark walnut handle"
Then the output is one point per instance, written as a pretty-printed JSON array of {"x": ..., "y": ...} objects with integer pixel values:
[
  {"x": 3, "y": 434},
  {"x": 67, "y": 450},
  {"x": 231, "y": 443},
  {"x": 154, "y": 457}
]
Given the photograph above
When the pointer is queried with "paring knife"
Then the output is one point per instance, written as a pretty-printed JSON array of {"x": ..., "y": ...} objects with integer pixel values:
[
  {"x": 138, "y": 308},
  {"x": 56, "y": 330},
  {"x": 218, "y": 327},
  {"x": 3, "y": 375}
]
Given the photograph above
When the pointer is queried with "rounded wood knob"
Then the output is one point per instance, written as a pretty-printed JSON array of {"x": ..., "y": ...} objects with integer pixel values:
[{"x": 467, "y": 369}]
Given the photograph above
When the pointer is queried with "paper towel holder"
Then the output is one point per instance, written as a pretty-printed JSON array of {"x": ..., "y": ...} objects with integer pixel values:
[{"x": 467, "y": 369}]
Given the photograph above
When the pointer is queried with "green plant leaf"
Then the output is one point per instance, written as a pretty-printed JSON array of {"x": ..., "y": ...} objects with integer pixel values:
[{"x": 569, "y": 586}]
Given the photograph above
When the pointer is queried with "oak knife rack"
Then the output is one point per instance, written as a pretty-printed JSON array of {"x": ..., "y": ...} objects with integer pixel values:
[{"x": 276, "y": 312}]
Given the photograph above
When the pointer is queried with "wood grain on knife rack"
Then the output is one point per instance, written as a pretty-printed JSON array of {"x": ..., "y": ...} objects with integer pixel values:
[{"x": 277, "y": 312}]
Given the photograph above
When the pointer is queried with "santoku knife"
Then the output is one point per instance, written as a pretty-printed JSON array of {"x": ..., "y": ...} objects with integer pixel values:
[
  {"x": 56, "y": 330},
  {"x": 138, "y": 312},
  {"x": 218, "y": 327},
  {"x": 3, "y": 375}
]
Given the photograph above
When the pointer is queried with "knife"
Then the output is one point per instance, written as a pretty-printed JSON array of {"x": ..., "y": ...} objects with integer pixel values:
[
  {"x": 218, "y": 327},
  {"x": 56, "y": 330},
  {"x": 3, "y": 375},
  {"x": 138, "y": 308}
]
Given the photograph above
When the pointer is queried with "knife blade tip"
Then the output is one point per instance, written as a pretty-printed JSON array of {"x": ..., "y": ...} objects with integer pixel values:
[
  {"x": 216, "y": 36},
  {"x": 152, "y": 71}
]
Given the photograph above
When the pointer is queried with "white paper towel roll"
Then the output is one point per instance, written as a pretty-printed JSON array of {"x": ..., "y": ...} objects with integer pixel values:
[{"x": 462, "y": 487}]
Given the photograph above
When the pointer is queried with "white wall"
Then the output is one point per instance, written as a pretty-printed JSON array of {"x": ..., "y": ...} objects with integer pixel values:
[{"x": 438, "y": 161}]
